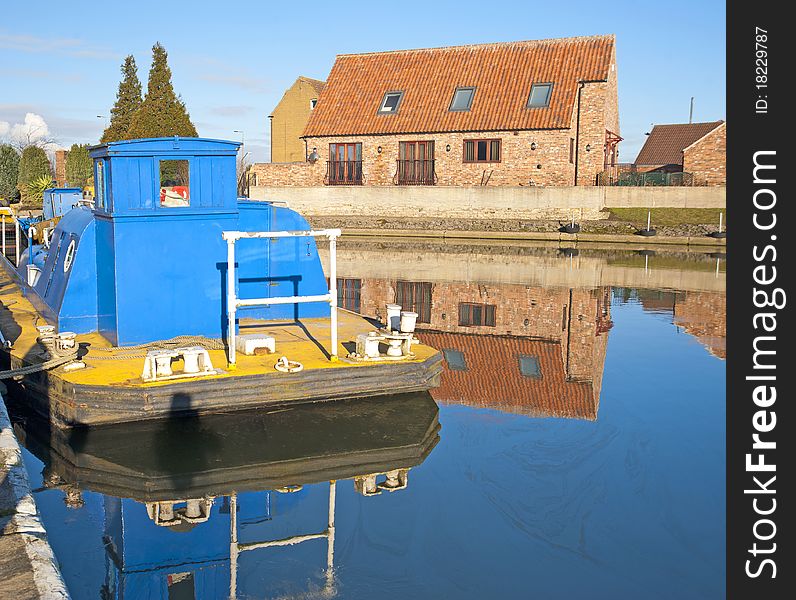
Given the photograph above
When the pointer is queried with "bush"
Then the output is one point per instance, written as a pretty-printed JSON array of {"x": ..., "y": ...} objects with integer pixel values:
[
  {"x": 9, "y": 173},
  {"x": 33, "y": 165}
]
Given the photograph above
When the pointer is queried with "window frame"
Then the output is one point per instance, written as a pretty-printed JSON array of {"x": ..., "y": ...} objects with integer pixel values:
[
  {"x": 489, "y": 142},
  {"x": 487, "y": 311},
  {"x": 159, "y": 180},
  {"x": 548, "y": 84},
  {"x": 420, "y": 298},
  {"x": 313, "y": 103},
  {"x": 381, "y": 110},
  {"x": 455, "y": 366},
  {"x": 520, "y": 358},
  {"x": 471, "y": 88},
  {"x": 349, "y": 294}
]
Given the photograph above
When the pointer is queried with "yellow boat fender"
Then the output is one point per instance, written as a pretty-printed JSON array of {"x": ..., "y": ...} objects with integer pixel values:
[{"x": 284, "y": 365}]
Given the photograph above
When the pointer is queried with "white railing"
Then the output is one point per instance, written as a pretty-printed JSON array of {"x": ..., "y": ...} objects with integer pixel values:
[
  {"x": 233, "y": 302},
  {"x": 5, "y": 214}
]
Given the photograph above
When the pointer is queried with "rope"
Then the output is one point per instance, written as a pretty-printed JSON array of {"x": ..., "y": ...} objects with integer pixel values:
[
  {"x": 35, "y": 368},
  {"x": 141, "y": 350}
]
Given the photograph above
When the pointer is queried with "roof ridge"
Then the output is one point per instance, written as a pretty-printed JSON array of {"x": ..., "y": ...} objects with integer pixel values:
[
  {"x": 305, "y": 78},
  {"x": 571, "y": 39},
  {"x": 716, "y": 123}
]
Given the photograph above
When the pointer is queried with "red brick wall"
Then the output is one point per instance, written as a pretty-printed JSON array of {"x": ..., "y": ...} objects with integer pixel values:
[
  {"x": 547, "y": 165},
  {"x": 707, "y": 158},
  {"x": 60, "y": 167}
]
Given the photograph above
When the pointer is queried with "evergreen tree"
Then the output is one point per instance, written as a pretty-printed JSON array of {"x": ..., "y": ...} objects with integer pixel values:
[
  {"x": 33, "y": 165},
  {"x": 9, "y": 173},
  {"x": 162, "y": 114},
  {"x": 78, "y": 166},
  {"x": 128, "y": 101}
]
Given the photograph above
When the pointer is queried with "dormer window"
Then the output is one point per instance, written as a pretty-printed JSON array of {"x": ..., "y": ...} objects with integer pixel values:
[
  {"x": 540, "y": 95},
  {"x": 462, "y": 99},
  {"x": 390, "y": 103}
]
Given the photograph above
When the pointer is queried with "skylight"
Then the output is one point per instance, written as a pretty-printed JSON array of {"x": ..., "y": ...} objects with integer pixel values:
[
  {"x": 540, "y": 95},
  {"x": 390, "y": 103},
  {"x": 462, "y": 99}
]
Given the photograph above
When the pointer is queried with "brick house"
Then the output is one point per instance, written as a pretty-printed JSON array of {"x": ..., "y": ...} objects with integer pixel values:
[
  {"x": 290, "y": 117},
  {"x": 704, "y": 144},
  {"x": 522, "y": 113},
  {"x": 706, "y": 158}
]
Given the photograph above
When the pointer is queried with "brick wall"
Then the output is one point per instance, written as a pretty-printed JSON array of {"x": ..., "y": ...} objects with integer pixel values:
[
  {"x": 277, "y": 174},
  {"x": 707, "y": 157},
  {"x": 548, "y": 165},
  {"x": 60, "y": 167},
  {"x": 288, "y": 121}
]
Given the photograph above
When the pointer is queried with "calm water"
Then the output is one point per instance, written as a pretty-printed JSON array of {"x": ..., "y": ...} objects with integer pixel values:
[{"x": 580, "y": 454}]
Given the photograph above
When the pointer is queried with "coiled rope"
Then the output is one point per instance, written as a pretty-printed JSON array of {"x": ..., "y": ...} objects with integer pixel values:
[{"x": 44, "y": 366}]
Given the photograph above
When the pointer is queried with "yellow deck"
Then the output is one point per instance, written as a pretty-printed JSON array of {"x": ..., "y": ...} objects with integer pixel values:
[{"x": 18, "y": 321}]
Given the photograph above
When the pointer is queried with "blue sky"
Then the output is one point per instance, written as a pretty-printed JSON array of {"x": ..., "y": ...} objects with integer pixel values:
[{"x": 232, "y": 61}]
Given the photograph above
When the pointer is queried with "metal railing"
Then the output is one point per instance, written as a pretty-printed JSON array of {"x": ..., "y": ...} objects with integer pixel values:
[
  {"x": 233, "y": 302},
  {"x": 614, "y": 177},
  {"x": 343, "y": 172},
  {"x": 415, "y": 172},
  {"x": 19, "y": 241}
]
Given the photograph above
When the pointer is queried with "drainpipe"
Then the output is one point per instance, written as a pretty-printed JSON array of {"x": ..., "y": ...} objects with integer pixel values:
[{"x": 577, "y": 131}]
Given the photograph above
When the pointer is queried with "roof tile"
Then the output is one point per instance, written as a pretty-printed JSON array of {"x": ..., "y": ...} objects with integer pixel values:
[{"x": 502, "y": 73}]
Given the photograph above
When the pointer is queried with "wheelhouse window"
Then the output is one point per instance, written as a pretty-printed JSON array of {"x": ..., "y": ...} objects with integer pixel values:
[
  {"x": 540, "y": 95},
  {"x": 99, "y": 184},
  {"x": 473, "y": 315},
  {"x": 477, "y": 151},
  {"x": 390, "y": 103},
  {"x": 175, "y": 190},
  {"x": 462, "y": 99},
  {"x": 415, "y": 296}
]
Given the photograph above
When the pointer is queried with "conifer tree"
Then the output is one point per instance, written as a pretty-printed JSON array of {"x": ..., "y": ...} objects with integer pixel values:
[
  {"x": 128, "y": 101},
  {"x": 78, "y": 165},
  {"x": 9, "y": 172},
  {"x": 33, "y": 165},
  {"x": 162, "y": 113}
]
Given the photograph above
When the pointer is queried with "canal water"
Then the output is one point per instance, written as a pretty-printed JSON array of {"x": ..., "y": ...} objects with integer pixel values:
[{"x": 575, "y": 449}]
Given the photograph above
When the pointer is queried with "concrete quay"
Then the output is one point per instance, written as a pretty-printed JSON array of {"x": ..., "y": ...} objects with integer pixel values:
[{"x": 28, "y": 568}]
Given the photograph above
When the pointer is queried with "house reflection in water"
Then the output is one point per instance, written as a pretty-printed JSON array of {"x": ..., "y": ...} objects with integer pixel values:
[
  {"x": 531, "y": 350},
  {"x": 701, "y": 314}
]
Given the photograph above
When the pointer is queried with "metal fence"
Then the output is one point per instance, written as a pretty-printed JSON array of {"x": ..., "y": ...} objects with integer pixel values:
[
  {"x": 644, "y": 179},
  {"x": 343, "y": 172}
]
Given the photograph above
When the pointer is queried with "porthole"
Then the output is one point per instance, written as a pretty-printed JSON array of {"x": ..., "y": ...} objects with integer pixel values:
[{"x": 70, "y": 255}]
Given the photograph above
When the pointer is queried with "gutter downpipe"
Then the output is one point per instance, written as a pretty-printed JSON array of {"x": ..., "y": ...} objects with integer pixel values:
[{"x": 577, "y": 132}]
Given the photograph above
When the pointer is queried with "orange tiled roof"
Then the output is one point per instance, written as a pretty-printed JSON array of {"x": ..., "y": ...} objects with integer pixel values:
[
  {"x": 665, "y": 143},
  {"x": 502, "y": 73},
  {"x": 493, "y": 378}
]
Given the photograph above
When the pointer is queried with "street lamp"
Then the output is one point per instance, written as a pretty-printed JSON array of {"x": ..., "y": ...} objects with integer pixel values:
[{"x": 242, "y": 139}]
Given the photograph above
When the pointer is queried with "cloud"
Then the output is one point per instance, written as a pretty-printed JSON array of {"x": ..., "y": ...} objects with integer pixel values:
[
  {"x": 33, "y": 129},
  {"x": 50, "y": 45}
]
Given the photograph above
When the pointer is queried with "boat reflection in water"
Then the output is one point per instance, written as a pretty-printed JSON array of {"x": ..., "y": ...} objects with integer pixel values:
[{"x": 185, "y": 500}]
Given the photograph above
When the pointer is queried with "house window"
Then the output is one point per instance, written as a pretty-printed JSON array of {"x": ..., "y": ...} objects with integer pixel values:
[
  {"x": 175, "y": 188},
  {"x": 529, "y": 367},
  {"x": 390, "y": 102},
  {"x": 540, "y": 95},
  {"x": 471, "y": 315},
  {"x": 313, "y": 103},
  {"x": 349, "y": 294},
  {"x": 415, "y": 296},
  {"x": 455, "y": 359},
  {"x": 462, "y": 99},
  {"x": 476, "y": 151},
  {"x": 345, "y": 164},
  {"x": 572, "y": 150},
  {"x": 415, "y": 163}
]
